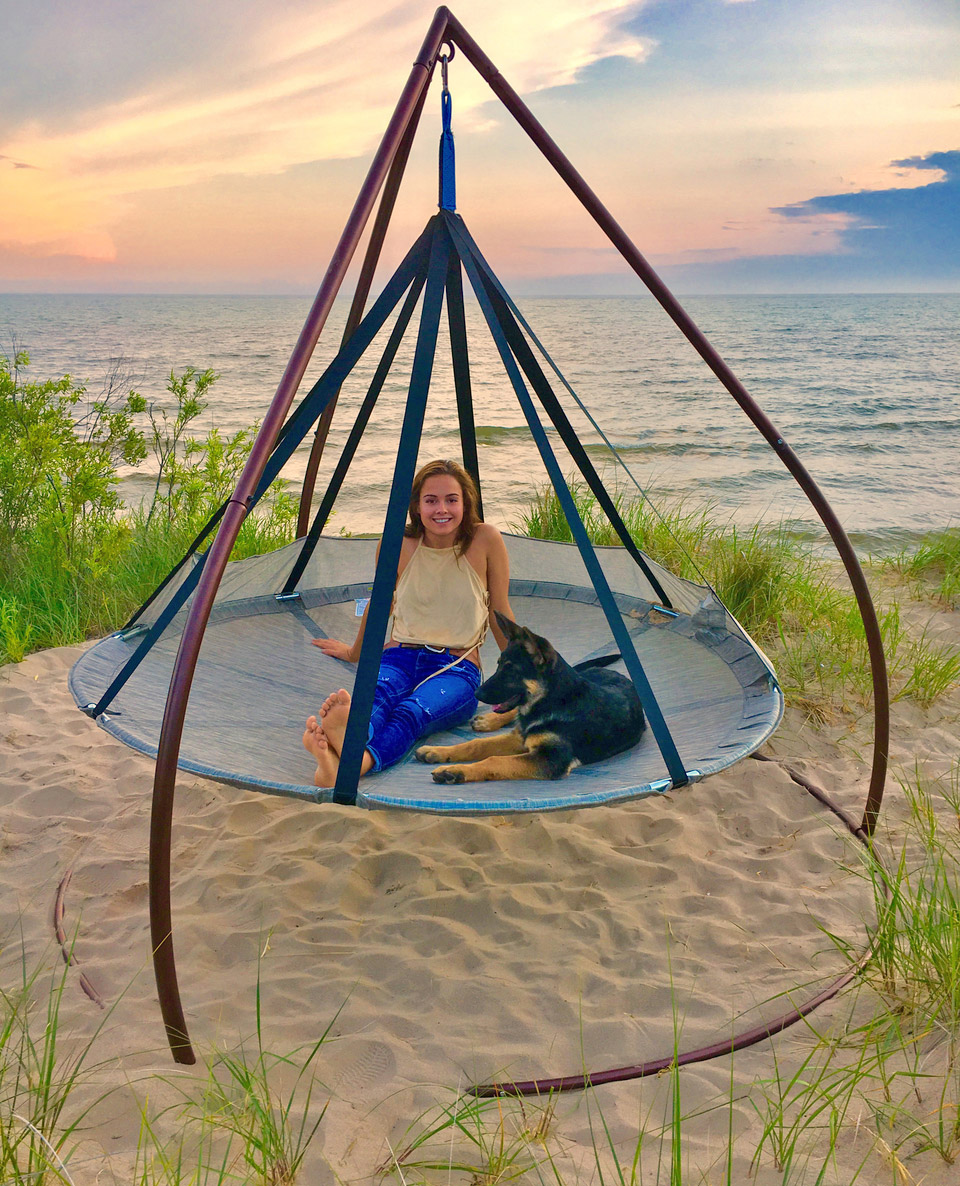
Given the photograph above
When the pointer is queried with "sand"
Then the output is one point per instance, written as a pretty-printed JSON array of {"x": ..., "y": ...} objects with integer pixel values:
[{"x": 443, "y": 951}]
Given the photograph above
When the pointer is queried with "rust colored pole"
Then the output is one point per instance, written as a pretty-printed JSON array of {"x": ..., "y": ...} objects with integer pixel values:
[
  {"x": 619, "y": 238},
  {"x": 739, "y": 1041},
  {"x": 161, "y": 925},
  {"x": 364, "y": 283}
]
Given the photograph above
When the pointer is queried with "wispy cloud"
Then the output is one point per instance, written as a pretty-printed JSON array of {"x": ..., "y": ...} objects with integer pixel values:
[
  {"x": 298, "y": 85},
  {"x": 913, "y": 228},
  {"x": 219, "y": 145},
  {"x": 16, "y": 164},
  {"x": 886, "y": 239}
]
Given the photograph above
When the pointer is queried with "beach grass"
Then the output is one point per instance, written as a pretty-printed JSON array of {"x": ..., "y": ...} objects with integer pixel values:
[
  {"x": 892, "y": 1075},
  {"x": 75, "y": 563},
  {"x": 784, "y": 595},
  {"x": 934, "y": 565},
  {"x": 870, "y": 1094},
  {"x": 250, "y": 1118},
  {"x": 41, "y": 1069}
]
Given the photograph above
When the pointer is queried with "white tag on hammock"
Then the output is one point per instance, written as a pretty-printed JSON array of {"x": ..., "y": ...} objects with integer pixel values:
[{"x": 361, "y": 603}]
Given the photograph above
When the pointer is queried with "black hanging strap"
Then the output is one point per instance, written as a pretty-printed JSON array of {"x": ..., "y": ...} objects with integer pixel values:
[
  {"x": 356, "y": 434},
  {"x": 554, "y": 409},
  {"x": 381, "y": 598},
  {"x": 658, "y": 724},
  {"x": 461, "y": 373}
]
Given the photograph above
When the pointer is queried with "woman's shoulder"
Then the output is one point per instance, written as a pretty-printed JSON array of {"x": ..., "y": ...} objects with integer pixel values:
[
  {"x": 408, "y": 545},
  {"x": 486, "y": 538},
  {"x": 487, "y": 531}
]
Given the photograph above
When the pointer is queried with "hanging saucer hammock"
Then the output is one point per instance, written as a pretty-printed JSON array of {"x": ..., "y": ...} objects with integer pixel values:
[
  {"x": 217, "y": 667},
  {"x": 710, "y": 695}
]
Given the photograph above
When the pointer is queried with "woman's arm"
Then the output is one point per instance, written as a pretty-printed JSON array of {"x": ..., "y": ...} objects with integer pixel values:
[
  {"x": 498, "y": 581},
  {"x": 343, "y": 650}
]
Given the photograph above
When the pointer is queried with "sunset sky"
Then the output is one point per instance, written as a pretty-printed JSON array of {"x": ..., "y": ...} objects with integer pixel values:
[{"x": 745, "y": 145}]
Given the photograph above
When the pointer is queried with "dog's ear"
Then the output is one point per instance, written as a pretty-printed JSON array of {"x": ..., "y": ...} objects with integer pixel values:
[
  {"x": 509, "y": 627},
  {"x": 542, "y": 652},
  {"x": 539, "y": 650}
]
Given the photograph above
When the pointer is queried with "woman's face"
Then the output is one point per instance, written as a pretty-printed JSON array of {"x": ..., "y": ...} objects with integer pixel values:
[{"x": 441, "y": 508}]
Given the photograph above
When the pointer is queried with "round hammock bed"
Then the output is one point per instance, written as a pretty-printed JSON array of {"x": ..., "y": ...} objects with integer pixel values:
[
  {"x": 257, "y": 671},
  {"x": 216, "y": 672}
]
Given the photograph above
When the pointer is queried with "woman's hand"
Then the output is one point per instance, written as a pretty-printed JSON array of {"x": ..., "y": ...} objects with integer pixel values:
[{"x": 335, "y": 648}]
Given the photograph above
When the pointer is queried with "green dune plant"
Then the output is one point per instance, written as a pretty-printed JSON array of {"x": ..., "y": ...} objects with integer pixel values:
[
  {"x": 74, "y": 560},
  {"x": 491, "y": 1141},
  {"x": 252, "y": 1118},
  {"x": 911, "y": 1084},
  {"x": 786, "y": 597},
  {"x": 934, "y": 564},
  {"x": 41, "y": 1069}
]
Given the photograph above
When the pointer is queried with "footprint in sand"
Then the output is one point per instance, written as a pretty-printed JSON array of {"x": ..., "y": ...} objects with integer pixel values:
[{"x": 355, "y": 1066}]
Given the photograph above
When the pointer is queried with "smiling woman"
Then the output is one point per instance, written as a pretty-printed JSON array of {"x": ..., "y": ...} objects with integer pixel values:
[{"x": 452, "y": 579}]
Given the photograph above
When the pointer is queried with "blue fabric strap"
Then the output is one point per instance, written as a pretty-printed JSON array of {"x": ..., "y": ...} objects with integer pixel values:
[
  {"x": 200, "y": 537},
  {"x": 332, "y": 379},
  {"x": 461, "y": 375},
  {"x": 448, "y": 177},
  {"x": 508, "y": 315},
  {"x": 521, "y": 320},
  {"x": 158, "y": 627},
  {"x": 661, "y": 731},
  {"x": 293, "y": 432},
  {"x": 378, "y": 611},
  {"x": 356, "y": 432}
]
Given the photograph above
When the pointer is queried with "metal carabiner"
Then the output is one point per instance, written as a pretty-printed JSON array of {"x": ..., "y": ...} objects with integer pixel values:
[{"x": 445, "y": 60}]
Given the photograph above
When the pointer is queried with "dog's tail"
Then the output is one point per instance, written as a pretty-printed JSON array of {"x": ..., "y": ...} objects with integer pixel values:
[{"x": 602, "y": 661}]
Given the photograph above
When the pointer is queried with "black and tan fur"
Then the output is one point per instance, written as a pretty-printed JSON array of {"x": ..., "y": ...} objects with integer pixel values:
[{"x": 564, "y": 716}]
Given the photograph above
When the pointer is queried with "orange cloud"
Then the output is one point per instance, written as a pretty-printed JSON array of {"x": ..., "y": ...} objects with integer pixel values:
[{"x": 309, "y": 88}]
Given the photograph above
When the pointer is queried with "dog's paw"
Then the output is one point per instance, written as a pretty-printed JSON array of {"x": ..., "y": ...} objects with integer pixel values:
[
  {"x": 486, "y": 722},
  {"x": 432, "y": 754},
  {"x": 448, "y": 774}
]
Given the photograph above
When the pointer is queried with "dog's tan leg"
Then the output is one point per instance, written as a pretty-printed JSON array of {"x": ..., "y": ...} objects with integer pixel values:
[
  {"x": 506, "y": 766},
  {"x": 489, "y": 722},
  {"x": 474, "y": 750}
]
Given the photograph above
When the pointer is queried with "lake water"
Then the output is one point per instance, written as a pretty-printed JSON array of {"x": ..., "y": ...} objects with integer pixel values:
[{"x": 865, "y": 389}]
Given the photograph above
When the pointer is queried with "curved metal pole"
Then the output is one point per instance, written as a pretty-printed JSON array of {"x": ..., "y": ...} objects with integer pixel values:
[
  {"x": 364, "y": 283},
  {"x": 619, "y": 238},
  {"x": 161, "y": 927},
  {"x": 446, "y": 27},
  {"x": 731, "y": 1045}
]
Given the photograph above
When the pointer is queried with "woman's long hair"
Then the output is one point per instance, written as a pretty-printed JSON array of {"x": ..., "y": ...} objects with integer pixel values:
[{"x": 471, "y": 501}]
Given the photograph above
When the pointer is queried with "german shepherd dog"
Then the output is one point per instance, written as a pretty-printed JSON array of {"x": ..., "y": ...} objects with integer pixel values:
[{"x": 565, "y": 716}]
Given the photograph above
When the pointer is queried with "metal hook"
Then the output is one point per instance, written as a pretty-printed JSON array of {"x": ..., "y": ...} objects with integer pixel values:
[{"x": 445, "y": 60}]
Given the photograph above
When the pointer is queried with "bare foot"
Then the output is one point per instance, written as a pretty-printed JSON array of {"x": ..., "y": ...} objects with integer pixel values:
[
  {"x": 328, "y": 763},
  {"x": 335, "y": 712},
  {"x": 340, "y": 697}
]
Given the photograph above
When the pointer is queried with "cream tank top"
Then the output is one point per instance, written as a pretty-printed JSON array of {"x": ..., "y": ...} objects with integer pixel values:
[{"x": 440, "y": 600}]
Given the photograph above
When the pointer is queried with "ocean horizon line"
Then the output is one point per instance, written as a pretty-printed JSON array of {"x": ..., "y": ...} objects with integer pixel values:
[{"x": 516, "y": 292}]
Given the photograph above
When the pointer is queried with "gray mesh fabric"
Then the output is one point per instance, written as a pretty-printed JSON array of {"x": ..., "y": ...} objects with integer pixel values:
[{"x": 258, "y": 676}]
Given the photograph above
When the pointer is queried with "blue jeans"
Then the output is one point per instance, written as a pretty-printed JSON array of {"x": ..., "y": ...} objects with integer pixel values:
[{"x": 403, "y": 712}]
